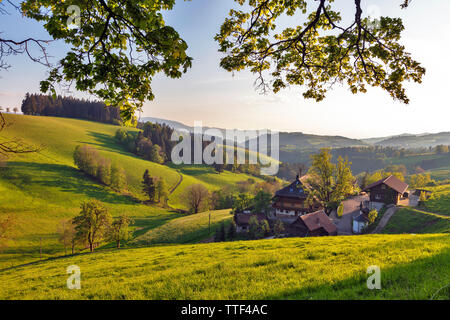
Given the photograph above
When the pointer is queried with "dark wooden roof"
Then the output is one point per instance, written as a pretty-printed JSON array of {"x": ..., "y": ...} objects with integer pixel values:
[
  {"x": 392, "y": 182},
  {"x": 317, "y": 220},
  {"x": 296, "y": 189},
  {"x": 243, "y": 219}
]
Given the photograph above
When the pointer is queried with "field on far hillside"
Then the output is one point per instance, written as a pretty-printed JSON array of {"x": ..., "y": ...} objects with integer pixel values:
[
  {"x": 187, "y": 229},
  {"x": 410, "y": 220},
  {"x": 412, "y": 267},
  {"x": 44, "y": 188},
  {"x": 439, "y": 202}
]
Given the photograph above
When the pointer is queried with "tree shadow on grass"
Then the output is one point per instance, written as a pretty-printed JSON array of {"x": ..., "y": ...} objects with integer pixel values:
[
  {"x": 108, "y": 143},
  {"x": 192, "y": 169},
  {"x": 427, "y": 278},
  {"x": 67, "y": 179}
]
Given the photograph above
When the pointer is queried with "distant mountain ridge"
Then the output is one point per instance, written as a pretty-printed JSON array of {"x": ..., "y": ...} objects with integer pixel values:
[
  {"x": 417, "y": 141},
  {"x": 299, "y": 140}
]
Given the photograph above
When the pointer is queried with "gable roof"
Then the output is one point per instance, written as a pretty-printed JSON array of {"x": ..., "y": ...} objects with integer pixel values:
[
  {"x": 296, "y": 189},
  {"x": 317, "y": 220},
  {"x": 243, "y": 219},
  {"x": 392, "y": 182}
]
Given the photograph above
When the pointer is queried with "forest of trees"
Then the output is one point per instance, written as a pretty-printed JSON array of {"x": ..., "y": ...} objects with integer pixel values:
[
  {"x": 69, "y": 107},
  {"x": 152, "y": 143}
]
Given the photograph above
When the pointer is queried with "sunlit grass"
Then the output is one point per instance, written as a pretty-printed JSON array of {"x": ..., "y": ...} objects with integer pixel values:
[
  {"x": 190, "y": 228},
  {"x": 44, "y": 188},
  {"x": 412, "y": 267},
  {"x": 439, "y": 202},
  {"x": 409, "y": 220}
]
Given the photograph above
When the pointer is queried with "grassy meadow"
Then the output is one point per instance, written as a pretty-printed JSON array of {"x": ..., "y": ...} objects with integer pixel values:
[
  {"x": 410, "y": 220},
  {"x": 44, "y": 188},
  {"x": 439, "y": 202},
  {"x": 186, "y": 229},
  {"x": 412, "y": 267},
  {"x": 165, "y": 259}
]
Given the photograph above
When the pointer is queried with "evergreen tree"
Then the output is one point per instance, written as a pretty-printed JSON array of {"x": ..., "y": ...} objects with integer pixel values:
[{"x": 149, "y": 186}]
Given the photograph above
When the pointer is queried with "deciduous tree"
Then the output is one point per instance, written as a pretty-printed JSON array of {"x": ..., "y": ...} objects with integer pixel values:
[
  {"x": 92, "y": 223},
  {"x": 67, "y": 235},
  {"x": 7, "y": 223},
  {"x": 330, "y": 183},
  {"x": 119, "y": 230},
  {"x": 319, "y": 53},
  {"x": 196, "y": 197}
]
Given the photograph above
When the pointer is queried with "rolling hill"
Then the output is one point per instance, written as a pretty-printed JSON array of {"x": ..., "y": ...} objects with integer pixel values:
[
  {"x": 416, "y": 141},
  {"x": 46, "y": 187}
]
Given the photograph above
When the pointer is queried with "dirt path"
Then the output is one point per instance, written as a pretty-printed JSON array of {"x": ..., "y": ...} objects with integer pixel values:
[
  {"x": 385, "y": 219},
  {"x": 177, "y": 184}
]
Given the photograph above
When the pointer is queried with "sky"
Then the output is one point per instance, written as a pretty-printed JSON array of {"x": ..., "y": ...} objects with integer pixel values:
[{"x": 218, "y": 98}]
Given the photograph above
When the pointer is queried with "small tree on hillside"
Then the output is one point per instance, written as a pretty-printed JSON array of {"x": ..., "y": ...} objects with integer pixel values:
[
  {"x": 422, "y": 198},
  {"x": 7, "y": 223},
  {"x": 104, "y": 171},
  {"x": 155, "y": 154},
  {"x": 196, "y": 197},
  {"x": 92, "y": 223},
  {"x": 149, "y": 186},
  {"x": 15, "y": 109},
  {"x": 119, "y": 230},
  {"x": 162, "y": 192},
  {"x": 118, "y": 178},
  {"x": 67, "y": 235}
]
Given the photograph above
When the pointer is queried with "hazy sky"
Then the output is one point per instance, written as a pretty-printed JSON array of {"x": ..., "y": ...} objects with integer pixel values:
[{"x": 209, "y": 94}]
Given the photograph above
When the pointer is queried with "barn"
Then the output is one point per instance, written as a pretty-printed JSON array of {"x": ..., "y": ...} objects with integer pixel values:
[
  {"x": 388, "y": 190},
  {"x": 314, "y": 224}
]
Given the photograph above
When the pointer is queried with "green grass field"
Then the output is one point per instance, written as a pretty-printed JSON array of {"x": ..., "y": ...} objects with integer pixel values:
[
  {"x": 46, "y": 187},
  {"x": 412, "y": 267},
  {"x": 409, "y": 220},
  {"x": 440, "y": 174},
  {"x": 439, "y": 202},
  {"x": 187, "y": 229}
]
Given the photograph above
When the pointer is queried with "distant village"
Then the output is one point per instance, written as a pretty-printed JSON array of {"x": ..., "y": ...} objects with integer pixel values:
[{"x": 301, "y": 218}]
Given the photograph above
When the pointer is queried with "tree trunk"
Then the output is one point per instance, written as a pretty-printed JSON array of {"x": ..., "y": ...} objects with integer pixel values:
[
  {"x": 118, "y": 244},
  {"x": 91, "y": 246}
]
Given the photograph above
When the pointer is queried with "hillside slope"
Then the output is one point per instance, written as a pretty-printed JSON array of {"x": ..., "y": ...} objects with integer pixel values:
[
  {"x": 412, "y": 267},
  {"x": 46, "y": 187}
]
